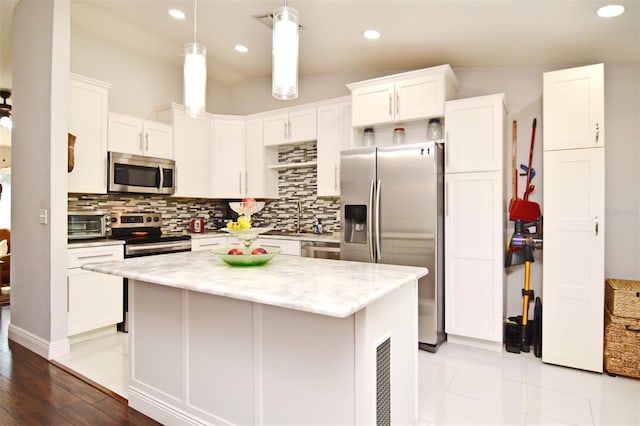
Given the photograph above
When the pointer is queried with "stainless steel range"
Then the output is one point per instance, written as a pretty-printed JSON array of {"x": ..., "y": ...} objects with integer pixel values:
[{"x": 143, "y": 236}]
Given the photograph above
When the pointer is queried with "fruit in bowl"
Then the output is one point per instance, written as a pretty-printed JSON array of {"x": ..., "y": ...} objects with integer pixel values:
[
  {"x": 256, "y": 257},
  {"x": 244, "y": 222}
]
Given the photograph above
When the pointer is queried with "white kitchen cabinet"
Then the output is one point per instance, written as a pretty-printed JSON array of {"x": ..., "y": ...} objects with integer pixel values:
[
  {"x": 475, "y": 221},
  {"x": 228, "y": 168},
  {"x": 473, "y": 127},
  {"x": 574, "y": 220},
  {"x": 209, "y": 242},
  {"x": 287, "y": 247},
  {"x": 334, "y": 129},
  {"x": 192, "y": 147},
  {"x": 474, "y": 256},
  {"x": 132, "y": 135},
  {"x": 88, "y": 112},
  {"x": 414, "y": 95},
  {"x": 260, "y": 181},
  {"x": 573, "y": 105},
  {"x": 94, "y": 300},
  {"x": 290, "y": 127}
]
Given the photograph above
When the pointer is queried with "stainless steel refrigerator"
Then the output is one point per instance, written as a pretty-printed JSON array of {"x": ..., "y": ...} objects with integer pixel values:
[{"x": 392, "y": 212}]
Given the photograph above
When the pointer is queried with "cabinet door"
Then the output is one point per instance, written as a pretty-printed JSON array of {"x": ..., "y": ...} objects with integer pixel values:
[
  {"x": 302, "y": 126},
  {"x": 276, "y": 129},
  {"x": 95, "y": 300},
  {"x": 228, "y": 158},
  {"x": 420, "y": 97},
  {"x": 573, "y": 257},
  {"x": 334, "y": 125},
  {"x": 475, "y": 131},
  {"x": 260, "y": 181},
  {"x": 88, "y": 112},
  {"x": 474, "y": 244},
  {"x": 373, "y": 105},
  {"x": 125, "y": 134},
  {"x": 208, "y": 243},
  {"x": 158, "y": 140},
  {"x": 192, "y": 153},
  {"x": 573, "y": 106}
]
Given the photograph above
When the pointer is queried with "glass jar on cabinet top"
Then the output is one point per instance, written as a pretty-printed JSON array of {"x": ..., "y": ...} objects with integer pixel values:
[
  {"x": 368, "y": 137},
  {"x": 398, "y": 135},
  {"x": 434, "y": 129}
]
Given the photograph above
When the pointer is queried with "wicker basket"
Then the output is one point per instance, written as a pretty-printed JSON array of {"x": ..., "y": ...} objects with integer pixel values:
[
  {"x": 622, "y": 298},
  {"x": 621, "y": 345}
]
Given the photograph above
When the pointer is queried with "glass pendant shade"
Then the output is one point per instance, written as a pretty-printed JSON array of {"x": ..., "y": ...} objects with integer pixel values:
[
  {"x": 285, "y": 53},
  {"x": 6, "y": 122},
  {"x": 195, "y": 78}
]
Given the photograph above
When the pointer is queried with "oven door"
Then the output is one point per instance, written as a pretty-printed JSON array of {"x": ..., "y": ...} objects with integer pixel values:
[{"x": 139, "y": 174}]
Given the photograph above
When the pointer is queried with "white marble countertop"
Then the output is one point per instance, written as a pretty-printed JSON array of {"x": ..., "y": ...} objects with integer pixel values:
[{"x": 327, "y": 287}]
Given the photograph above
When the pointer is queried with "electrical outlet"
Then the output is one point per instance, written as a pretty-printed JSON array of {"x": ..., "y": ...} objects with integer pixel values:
[{"x": 43, "y": 216}]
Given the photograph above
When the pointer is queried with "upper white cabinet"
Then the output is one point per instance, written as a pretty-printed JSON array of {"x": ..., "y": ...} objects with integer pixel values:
[
  {"x": 192, "y": 145},
  {"x": 292, "y": 127},
  {"x": 334, "y": 130},
  {"x": 574, "y": 217},
  {"x": 260, "y": 181},
  {"x": 475, "y": 129},
  {"x": 133, "y": 135},
  {"x": 228, "y": 168},
  {"x": 88, "y": 112},
  {"x": 414, "y": 95},
  {"x": 573, "y": 105}
]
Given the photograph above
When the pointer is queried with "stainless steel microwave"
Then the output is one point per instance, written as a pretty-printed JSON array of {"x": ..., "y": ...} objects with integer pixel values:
[{"x": 140, "y": 174}]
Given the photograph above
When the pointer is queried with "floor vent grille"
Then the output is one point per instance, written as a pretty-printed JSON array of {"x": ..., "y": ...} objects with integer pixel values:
[{"x": 383, "y": 383}]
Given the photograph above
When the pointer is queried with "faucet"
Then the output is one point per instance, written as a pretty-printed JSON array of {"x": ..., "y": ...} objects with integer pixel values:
[{"x": 299, "y": 214}]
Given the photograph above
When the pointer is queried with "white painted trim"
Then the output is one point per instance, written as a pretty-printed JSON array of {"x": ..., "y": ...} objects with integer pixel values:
[
  {"x": 159, "y": 410},
  {"x": 44, "y": 348},
  {"x": 475, "y": 343}
]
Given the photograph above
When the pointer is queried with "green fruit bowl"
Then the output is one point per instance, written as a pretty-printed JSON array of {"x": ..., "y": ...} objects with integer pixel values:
[{"x": 246, "y": 259}]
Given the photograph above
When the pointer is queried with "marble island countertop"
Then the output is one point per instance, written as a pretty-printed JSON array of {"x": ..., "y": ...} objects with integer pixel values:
[{"x": 327, "y": 287}]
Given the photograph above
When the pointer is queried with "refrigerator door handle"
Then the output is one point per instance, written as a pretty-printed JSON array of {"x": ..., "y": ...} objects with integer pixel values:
[
  {"x": 377, "y": 218},
  {"x": 370, "y": 220}
]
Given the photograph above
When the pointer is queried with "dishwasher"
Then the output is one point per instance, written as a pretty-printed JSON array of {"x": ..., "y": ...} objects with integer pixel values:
[{"x": 320, "y": 249}]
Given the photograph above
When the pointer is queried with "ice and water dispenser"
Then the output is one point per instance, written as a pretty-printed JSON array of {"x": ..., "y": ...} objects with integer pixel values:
[{"x": 355, "y": 228}]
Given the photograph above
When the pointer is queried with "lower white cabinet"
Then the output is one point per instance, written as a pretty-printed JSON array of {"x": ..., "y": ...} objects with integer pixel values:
[
  {"x": 573, "y": 256},
  {"x": 287, "y": 247},
  {"x": 208, "y": 243},
  {"x": 94, "y": 300},
  {"x": 474, "y": 247}
]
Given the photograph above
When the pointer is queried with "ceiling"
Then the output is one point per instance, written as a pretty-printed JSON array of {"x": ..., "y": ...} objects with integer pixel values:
[{"x": 415, "y": 34}]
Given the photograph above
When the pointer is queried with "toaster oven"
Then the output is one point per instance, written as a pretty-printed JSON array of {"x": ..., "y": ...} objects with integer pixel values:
[{"x": 86, "y": 225}]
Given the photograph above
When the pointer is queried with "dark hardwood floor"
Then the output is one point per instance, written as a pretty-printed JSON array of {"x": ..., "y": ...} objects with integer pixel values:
[{"x": 34, "y": 391}]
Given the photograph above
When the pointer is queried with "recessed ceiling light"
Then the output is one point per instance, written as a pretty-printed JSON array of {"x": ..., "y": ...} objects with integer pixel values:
[
  {"x": 175, "y": 13},
  {"x": 372, "y": 34},
  {"x": 240, "y": 48},
  {"x": 610, "y": 11}
]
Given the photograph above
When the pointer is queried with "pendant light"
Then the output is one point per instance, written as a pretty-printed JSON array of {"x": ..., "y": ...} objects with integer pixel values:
[
  {"x": 195, "y": 73},
  {"x": 285, "y": 53}
]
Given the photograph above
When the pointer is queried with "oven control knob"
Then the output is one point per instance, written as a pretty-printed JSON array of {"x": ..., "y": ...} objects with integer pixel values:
[
  {"x": 114, "y": 219},
  {"x": 156, "y": 218},
  {"x": 148, "y": 218}
]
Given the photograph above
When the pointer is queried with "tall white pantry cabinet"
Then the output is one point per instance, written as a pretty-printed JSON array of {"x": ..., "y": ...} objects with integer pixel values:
[
  {"x": 574, "y": 223},
  {"x": 475, "y": 220}
]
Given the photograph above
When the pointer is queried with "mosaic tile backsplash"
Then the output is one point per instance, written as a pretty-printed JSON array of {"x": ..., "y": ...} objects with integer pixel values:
[{"x": 297, "y": 204}]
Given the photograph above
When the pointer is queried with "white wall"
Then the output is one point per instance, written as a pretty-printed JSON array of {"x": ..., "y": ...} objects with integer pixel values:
[
  {"x": 39, "y": 178},
  {"x": 140, "y": 82}
]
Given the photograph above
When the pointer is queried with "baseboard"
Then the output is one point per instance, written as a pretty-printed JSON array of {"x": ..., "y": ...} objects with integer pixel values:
[
  {"x": 160, "y": 410},
  {"x": 45, "y": 348}
]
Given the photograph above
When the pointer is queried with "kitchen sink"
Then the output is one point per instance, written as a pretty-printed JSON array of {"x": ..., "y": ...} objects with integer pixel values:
[{"x": 287, "y": 233}]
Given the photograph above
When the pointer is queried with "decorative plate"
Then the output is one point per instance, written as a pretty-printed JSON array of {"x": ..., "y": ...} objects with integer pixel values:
[{"x": 245, "y": 259}]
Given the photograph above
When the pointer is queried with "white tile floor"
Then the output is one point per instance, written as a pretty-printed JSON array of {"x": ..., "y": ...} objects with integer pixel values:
[{"x": 457, "y": 385}]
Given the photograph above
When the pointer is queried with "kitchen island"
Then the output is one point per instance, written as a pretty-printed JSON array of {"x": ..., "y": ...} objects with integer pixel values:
[{"x": 296, "y": 341}]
